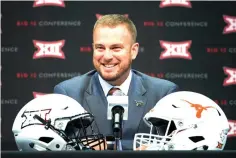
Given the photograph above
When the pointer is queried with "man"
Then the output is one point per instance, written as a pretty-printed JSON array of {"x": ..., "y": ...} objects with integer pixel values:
[{"x": 115, "y": 47}]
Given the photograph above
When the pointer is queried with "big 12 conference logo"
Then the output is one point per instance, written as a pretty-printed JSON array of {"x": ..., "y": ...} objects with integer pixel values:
[
  {"x": 175, "y": 3},
  {"x": 28, "y": 117},
  {"x": 98, "y": 16},
  {"x": 50, "y": 49},
  {"x": 175, "y": 50},
  {"x": 39, "y": 3},
  {"x": 231, "y": 24},
  {"x": 232, "y": 128},
  {"x": 231, "y": 79}
]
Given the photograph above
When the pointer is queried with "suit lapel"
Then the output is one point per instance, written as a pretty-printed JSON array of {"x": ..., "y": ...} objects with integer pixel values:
[
  {"x": 137, "y": 102},
  {"x": 97, "y": 105}
]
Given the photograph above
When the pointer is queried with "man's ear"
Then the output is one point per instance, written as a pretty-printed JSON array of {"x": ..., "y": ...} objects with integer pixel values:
[{"x": 134, "y": 50}]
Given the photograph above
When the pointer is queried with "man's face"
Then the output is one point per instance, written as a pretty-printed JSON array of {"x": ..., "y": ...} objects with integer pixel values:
[{"x": 113, "y": 52}]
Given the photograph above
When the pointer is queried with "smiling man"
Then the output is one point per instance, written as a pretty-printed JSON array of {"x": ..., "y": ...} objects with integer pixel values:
[{"x": 115, "y": 47}]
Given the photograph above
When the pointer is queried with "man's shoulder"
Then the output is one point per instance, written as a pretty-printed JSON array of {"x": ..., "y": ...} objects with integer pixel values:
[
  {"x": 153, "y": 81},
  {"x": 156, "y": 88},
  {"x": 77, "y": 80}
]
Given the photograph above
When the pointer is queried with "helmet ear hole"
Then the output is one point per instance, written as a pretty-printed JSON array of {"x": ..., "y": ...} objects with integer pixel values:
[
  {"x": 196, "y": 139},
  {"x": 46, "y": 139}
]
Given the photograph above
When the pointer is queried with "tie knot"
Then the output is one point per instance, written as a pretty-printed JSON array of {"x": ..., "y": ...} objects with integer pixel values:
[{"x": 115, "y": 91}]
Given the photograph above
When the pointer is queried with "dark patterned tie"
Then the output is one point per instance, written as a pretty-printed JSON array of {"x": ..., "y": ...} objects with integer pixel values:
[{"x": 115, "y": 92}]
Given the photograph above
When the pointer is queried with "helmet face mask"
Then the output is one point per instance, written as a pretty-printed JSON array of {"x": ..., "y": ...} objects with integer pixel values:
[
  {"x": 55, "y": 122},
  {"x": 83, "y": 134},
  {"x": 184, "y": 121}
]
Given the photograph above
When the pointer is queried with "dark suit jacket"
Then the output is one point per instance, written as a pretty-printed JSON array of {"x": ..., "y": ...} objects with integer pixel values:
[{"x": 87, "y": 90}]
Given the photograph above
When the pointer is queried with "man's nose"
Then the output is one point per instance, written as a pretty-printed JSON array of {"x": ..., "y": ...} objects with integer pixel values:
[{"x": 108, "y": 54}]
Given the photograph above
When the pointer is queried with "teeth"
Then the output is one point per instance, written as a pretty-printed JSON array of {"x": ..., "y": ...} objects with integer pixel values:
[{"x": 108, "y": 66}]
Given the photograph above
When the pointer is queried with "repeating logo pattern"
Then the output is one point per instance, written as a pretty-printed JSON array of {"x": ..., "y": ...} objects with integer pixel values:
[{"x": 54, "y": 43}]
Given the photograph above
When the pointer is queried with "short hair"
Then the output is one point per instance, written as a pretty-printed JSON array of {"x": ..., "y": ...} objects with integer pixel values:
[{"x": 112, "y": 20}]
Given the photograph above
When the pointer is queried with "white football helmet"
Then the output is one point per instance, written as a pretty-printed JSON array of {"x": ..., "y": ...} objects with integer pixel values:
[
  {"x": 55, "y": 122},
  {"x": 184, "y": 121}
]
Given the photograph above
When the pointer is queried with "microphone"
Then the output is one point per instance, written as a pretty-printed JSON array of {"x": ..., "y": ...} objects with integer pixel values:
[{"x": 117, "y": 111}]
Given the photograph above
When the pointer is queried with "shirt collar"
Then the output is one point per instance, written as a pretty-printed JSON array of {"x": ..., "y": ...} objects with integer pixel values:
[{"x": 124, "y": 87}]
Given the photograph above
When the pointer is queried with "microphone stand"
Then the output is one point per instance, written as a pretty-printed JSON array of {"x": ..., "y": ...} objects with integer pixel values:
[
  {"x": 117, "y": 140},
  {"x": 117, "y": 112}
]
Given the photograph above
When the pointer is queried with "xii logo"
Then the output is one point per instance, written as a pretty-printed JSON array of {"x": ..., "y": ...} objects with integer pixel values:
[
  {"x": 175, "y": 50},
  {"x": 28, "y": 117},
  {"x": 175, "y": 3},
  {"x": 231, "y": 24},
  {"x": 39, "y": 3},
  {"x": 232, "y": 128},
  {"x": 231, "y": 79},
  {"x": 49, "y": 49}
]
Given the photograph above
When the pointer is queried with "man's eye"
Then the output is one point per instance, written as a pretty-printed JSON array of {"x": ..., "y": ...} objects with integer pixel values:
[{"x": 116, "y": 48}]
